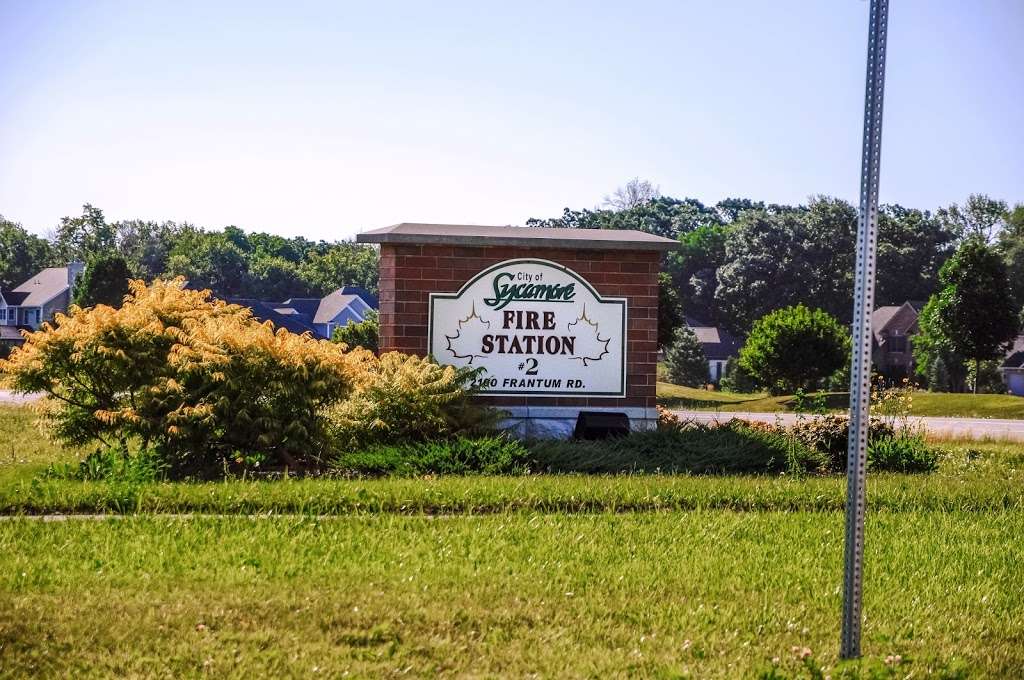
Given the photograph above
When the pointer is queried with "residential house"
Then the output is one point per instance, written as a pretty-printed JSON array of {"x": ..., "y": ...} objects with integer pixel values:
[
  {"x": 894, "y": 328},
  {"x": 1013, "y": 368},
  {"x": 719, "y": 347},
  {"x": 36, "y": 301},
  {"x": 316, "y": 316}
]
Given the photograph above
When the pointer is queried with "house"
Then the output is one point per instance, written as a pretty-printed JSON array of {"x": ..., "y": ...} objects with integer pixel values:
[
  {"x": 1013, "y": 368},
  {"x": 316, "y": 316},
  {"x": 719, "y": 346},
  {"x": 36, "y": 301},
  {"x": 894, "y": 327}
]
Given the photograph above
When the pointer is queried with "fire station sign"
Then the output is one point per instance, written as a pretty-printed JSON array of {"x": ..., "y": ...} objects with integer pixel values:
[{"x": 535, "y": 327}]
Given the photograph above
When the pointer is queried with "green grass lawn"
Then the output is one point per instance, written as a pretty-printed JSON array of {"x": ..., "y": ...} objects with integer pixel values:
[
  {"x": 924, "y": 404},
  {"x": 548, "y": 575}
]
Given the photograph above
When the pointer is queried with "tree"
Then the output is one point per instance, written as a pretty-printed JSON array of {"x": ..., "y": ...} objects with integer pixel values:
[
  {"x": 794, "y": 348},
  {"x": 365, "y": 334},
  {"x": 210, "y": 260},
  {"x": 935, "y": 360},
  {"x": 82, "y": 237},
  {"x": 636, "y": 192},
  {"x": 980, "y": 217},
  {"x": 21, "y": 254},
  {"x": 693, "y": 266},
  {"x": 1011, "y": 247},
  {"x": 104, "y": 282},
  {"x": 342, "y": 264},
  {"x": 974, "y": 310},
  {"x": 146, "y": 245},
  {"x": 912, "y": 245},
  {"x": 670, "y": 312},
  {"x": 685, "y": 359}
]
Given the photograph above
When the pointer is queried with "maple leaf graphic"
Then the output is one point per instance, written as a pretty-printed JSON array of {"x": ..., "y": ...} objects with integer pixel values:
[
  {"x": 467, "y": 337},
  {"x": 590, "y": 346}
]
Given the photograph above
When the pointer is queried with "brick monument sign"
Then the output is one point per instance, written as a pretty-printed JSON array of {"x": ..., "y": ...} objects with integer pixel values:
[{"x": 560, "y": 320}]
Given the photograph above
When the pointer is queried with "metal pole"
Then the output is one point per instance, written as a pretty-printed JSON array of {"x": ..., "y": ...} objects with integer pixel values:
[{"x": 864, "y": 300}]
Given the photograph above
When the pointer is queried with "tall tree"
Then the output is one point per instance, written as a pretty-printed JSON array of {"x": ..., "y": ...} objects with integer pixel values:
[
  {"x": 81, "y": 238},
  {"x": 636, "y": 192},
  {"x": 21, "y": 254},
  {"x": 912, "y": 245},
  {"x": 981, "y": 216},
  {"x": 693, "y": 266},
  {"x": 1011, "y": 247},
  {"x": 974, "y": 309},
  {"x": 343, "y": 264},
  {"x": 104, "y": 282}
]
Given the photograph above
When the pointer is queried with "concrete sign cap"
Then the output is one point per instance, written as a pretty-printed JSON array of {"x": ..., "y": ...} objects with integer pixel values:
[{"x": 541, "y": 237}]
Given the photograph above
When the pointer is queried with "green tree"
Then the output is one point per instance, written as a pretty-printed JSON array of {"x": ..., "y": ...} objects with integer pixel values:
[
  {"x": 912, "y": 245},
  {"x": 365, "y": 334},
  {"x": 974, "y": 310},
  {"x": 981, "y": 217},
  {"x": 670, "y": 312},
  {"x": 146, "y": 245},
  {"x": 935, "y": 360},
  {"x": 341, "y": 264},
  {"x": 693, "y": 266},
  {"x": 104, "y": 282},
  {"x": 210, "y": 260},
  {"x": 81, "y": 238},
  {"x": 21, "y": 254},
  {"x": 685, "y": 359},
  {"x": 1011, "y": 247},
  {"x": 794, "y": 348}
]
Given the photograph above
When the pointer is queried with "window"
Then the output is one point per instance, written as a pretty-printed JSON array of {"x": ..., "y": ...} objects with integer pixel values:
[{"x": 898, "y": 344}]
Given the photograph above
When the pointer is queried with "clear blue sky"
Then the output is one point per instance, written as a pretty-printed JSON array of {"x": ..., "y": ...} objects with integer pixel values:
[{"x": 326, "y": 118}]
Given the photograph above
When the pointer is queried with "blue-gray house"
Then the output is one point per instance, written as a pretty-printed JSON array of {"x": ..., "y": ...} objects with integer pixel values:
[{"x": 317, "y": 316}]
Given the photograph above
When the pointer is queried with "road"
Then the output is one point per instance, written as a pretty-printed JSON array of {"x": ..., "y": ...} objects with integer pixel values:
[{"x": 960, "y": 428}]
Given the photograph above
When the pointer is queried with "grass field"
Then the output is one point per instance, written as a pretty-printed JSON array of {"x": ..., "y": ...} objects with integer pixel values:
[
  {"x": 547, "y": 576},
  {"x": 924, "y": 404}
]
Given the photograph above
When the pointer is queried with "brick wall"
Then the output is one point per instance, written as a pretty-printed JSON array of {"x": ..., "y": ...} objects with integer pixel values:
[{"x": 409, "y": 273}]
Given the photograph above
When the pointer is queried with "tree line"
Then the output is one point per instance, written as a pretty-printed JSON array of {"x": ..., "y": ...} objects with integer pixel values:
[
  {"x": 740, "y": 260},
  {"x": 231, "y": 262}
]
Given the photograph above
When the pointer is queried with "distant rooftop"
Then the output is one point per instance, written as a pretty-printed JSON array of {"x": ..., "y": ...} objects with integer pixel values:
[{"x": 478, "y": 235}]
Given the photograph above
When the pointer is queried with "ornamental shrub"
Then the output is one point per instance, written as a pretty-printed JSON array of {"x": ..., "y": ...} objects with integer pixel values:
[
  {"x": 685, "y": 361},
  {"x": 199, "y": 382},
  {"x": 365, "y": 334},
  {"x": 407, "y": 399},
  {"x": 794, "y": 348}
]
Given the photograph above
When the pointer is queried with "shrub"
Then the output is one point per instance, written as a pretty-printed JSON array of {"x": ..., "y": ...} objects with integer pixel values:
[
  {"x": 365, "y": 334},
  {"x": 492, "y": 455},
  {"x": 901, "y": 453},
  {"x": 795, "y": 347},
  {"x": 737, "y": 378},
  {"x": 199, "y": 382},
  {"x": 830, "y": 434},
  {"x": 685, "y": 360},
  {"x": 111, "y": 464},
  {"x": 735, "y": 448},
  {"x": 408, "y": 398}
]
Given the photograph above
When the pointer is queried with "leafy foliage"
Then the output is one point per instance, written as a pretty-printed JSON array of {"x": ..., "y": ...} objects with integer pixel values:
[
  {"x": 738, "y": 379},
  {"x": 200, "y": 382},
  {"x": 21, "y": 254},
  {"x": 104, "y": 282},
  {"x": 685, "y": 360},
  {"x": 365, "y": 334},
  {"x": 973, "y": 316},
  {"x": 794, "y": 348},
  {"x": 408, "y": 398}
]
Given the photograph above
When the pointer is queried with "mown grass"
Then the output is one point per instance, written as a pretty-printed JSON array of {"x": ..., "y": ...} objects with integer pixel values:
[
  {"x": 701, "y": 594},
  {"x": 565, "y": 575},
  {"x": 924, "y": 403}
]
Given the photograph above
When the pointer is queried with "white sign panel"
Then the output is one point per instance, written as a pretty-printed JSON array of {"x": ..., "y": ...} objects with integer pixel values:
[{"x": 535, "y": 327}]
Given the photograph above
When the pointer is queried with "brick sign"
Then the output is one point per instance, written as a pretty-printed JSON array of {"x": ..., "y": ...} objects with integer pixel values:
[{"x": 534, "y": 327}]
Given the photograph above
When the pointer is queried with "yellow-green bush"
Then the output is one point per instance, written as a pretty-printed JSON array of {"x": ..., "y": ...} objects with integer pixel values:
[{"x": 408, "y": 398}]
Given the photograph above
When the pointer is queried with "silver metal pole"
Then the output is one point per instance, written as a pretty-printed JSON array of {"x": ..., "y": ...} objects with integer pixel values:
[{"x": 864, "y": 300}]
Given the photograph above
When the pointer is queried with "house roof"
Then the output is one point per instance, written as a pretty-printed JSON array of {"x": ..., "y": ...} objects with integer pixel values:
[
  {"x": 43, "y": 287},
  {"x": 13, "y": 298},
  {"x": 894, "y": 319},
  {"x": 1015, "y": 360},
  {"x": 337, "y": 302},
  {"x": 265, "y": 312},
  {"x": 481, "y": 235},
  {"x": 718, "y": 343}
]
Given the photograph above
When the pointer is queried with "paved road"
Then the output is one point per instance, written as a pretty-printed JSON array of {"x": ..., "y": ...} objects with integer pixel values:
[
  {"x": 961, "y": 428},
  {"x": 8, "y": 397}
]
